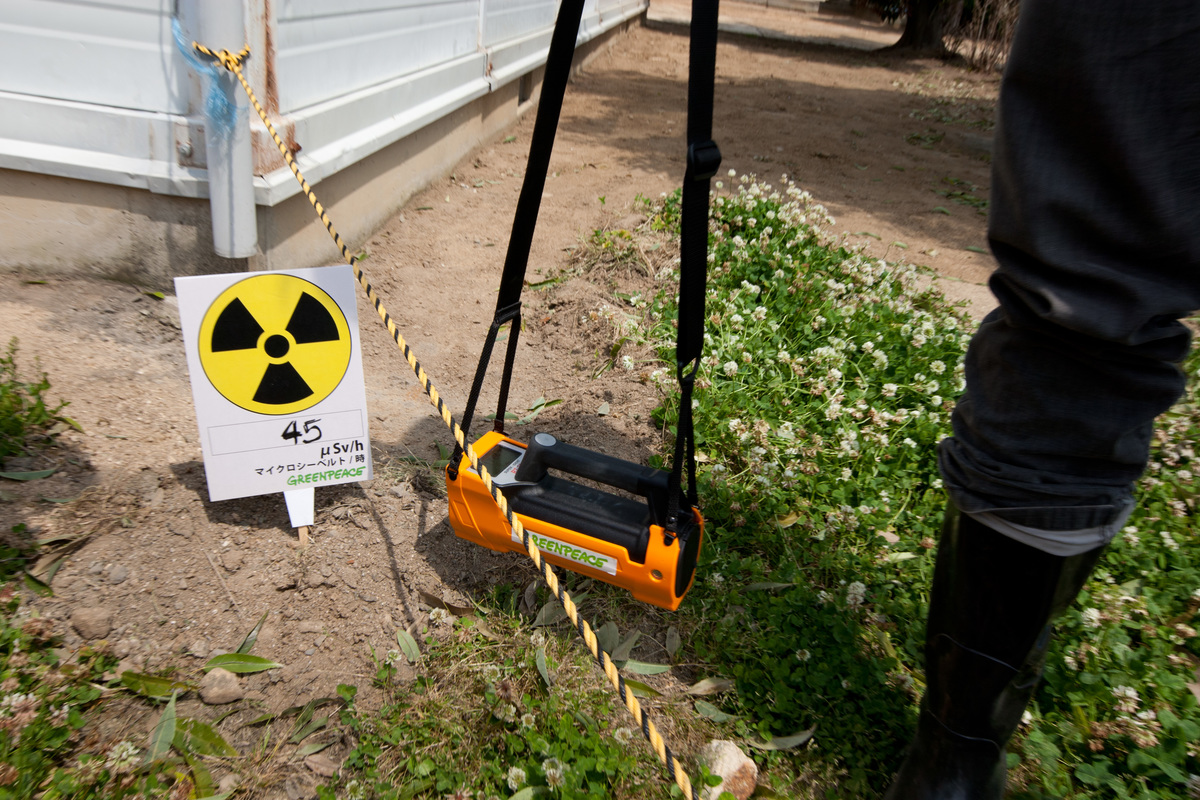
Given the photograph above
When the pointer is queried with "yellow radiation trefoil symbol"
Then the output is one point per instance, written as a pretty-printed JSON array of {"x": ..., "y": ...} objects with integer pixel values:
[{"x": 274, "y": 344}]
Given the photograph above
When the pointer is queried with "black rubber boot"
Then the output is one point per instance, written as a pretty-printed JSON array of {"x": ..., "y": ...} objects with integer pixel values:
[{"x": 988, "y": 632}]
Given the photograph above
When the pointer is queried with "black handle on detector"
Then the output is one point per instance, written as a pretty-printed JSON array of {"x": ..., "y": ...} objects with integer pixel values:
[{"x": 546, "y": 452}]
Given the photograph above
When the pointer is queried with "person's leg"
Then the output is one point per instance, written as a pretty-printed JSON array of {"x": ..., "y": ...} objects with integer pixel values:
[{"x": 1095, "y": 225}]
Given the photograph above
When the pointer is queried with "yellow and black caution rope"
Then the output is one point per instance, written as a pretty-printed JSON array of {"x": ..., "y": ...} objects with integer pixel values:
[{"x": 233, "y": 63}]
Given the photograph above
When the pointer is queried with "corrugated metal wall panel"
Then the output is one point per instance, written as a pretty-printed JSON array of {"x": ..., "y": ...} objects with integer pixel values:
[
  {"x": 509, "y": 19},
  {"x": 321, "y": 54},
  {"x": 95, "y": 89},
  {"x": 116, "y": 53}
]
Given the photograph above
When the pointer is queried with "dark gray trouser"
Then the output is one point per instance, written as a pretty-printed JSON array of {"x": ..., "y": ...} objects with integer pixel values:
[{"x": 1095, "y": 225}]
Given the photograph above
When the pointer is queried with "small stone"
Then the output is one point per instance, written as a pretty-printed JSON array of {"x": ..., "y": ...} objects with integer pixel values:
[
  {"x": 132, "y": 664},
  {"x": 310, "y": 626},
  {"x": 96, "y": 568},
  {"x": 285, "y": 580},
  {"x": 309, "y": 651},
  {"x": 118, "y": 574},
  {"x": 738, "y": 773},
  {"x": 227, "y": 784},
  {"x": 220, "y": 686},
  {"x": 92, "y": 622},
  {"x": 198, "y": 648},
  {"x": 233, "y": 560}
]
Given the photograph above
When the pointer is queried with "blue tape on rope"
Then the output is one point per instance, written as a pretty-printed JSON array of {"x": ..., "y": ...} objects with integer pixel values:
[{"x": 221, "y": 114}]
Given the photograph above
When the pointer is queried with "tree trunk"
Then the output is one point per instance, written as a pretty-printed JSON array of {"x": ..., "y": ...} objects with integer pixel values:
[{"x": 927, "y": 24}]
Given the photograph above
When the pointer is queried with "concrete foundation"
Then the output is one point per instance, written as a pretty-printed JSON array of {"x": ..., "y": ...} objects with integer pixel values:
[{"x": 53, "y": 226}]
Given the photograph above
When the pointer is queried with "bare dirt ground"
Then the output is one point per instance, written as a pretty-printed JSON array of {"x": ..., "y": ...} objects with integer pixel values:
[{"x": 874, "y": 137}]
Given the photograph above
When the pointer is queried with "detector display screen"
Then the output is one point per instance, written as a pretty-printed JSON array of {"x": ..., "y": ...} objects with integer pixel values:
[{"x": 501, "y": 463}]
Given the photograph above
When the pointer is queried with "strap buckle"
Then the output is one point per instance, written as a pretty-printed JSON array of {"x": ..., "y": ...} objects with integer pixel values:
[{"x": 703, "y": 159}]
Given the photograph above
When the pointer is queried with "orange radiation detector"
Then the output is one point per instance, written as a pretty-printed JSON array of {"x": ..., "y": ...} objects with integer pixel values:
[{"x": 610, "y": 537}]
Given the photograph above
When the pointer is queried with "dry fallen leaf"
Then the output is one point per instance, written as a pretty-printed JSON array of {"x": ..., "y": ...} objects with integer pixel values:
[{"x": 322, "y": 764}]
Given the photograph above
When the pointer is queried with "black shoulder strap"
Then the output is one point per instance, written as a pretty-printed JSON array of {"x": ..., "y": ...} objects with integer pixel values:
[
  {"x": 703, "y": 159},
  {"x": 508, "y": 302}
]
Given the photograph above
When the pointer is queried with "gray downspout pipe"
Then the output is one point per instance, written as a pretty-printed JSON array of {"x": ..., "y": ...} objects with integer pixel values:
[{"x": 221, "y": 25}]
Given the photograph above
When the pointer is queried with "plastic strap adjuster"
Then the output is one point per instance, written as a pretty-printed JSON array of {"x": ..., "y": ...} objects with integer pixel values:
[{"x": 703, "y": 159}]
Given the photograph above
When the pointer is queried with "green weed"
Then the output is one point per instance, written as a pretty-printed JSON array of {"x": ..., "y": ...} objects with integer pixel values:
[{"x": 26, "y": 419}]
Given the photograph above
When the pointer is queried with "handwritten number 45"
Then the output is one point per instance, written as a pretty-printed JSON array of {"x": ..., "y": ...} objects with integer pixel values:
[{"x": 310, "y": 434}]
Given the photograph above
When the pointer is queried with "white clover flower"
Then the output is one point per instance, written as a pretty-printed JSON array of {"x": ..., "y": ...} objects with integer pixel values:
[
  {"x": 60, "y": 714},
  {"x": 439, "y": 616},
  {"x": 505, "y": 712},
  {"x": 736, "y": 320},
  {"x": 555, "y": 771},
  {"x": 732, "y": 173},
  {"x": 937, "y": 367},
  {"x": 393, "y": 657},
  {"x": 803, "y": 655},
  {"x": 1184, "y": 474},
  {"x": 1127, "y": 699},
  {"x": 908, "y": 442},
  {"x": 491, "y": 672},
  {"x": 528, "y": 720},
  {"x": 889, "y": 389},
  {"x": 845, "y": 683},
  {"x": 355, "y": 790},
  {"x": 730, "y": 368},
  {"x": 1196, "y": 595},
  {"x": 855, "y": 594},
  {"x": 627, "y": 363},
  {"x": 122, "y": 757},
  {"x": 1169, "y": 540},
  {"x": 516, "y": 778},
  {"x": 1026, "y": 717},
  {"x": 936, "y": 400},
  {"x": 780, "y": 274},
  {"x": 759, "y": 313},
  {"x": 751, "y": 222},
  {"x": 1071, "y": 663},
  {"x": 1091, "y": 617},
  {"x": 623, "y": 735},
  {"x": 1131, "y": 535},
  {"x": 537, "y": 638},
  {"x": 847, "y": 474}
]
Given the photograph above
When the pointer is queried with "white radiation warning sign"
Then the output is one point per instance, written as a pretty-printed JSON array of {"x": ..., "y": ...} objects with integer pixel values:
[{"x": 276, "y": 371}]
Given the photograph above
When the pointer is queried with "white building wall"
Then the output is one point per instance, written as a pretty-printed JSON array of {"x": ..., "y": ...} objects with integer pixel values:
[{"x": 97, "y": 90}]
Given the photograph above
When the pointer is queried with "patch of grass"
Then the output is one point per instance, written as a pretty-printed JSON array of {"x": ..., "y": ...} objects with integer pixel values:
[
  {"x": 963, "y": 192},
  {"x": 27, "y": 419},
  {"x": 481, "y": 721},
  {"x": 827, "y": 381}
]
